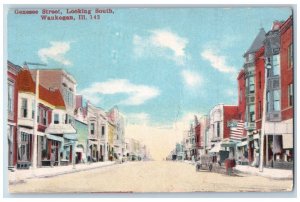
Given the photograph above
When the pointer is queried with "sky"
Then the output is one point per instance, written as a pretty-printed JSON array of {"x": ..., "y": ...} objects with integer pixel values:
[{"x": 160, "y": 66}]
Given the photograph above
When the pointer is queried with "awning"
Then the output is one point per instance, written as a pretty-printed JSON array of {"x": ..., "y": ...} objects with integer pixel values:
[
  {"x": 216, "y": 148},
  {"x": 241, "y": 144},
  {"x": 54, "y": 137},
  {"x": 70, "y": 136},
  {"x": 228, "y": 144},
  {"x": 287, "y": 140}
]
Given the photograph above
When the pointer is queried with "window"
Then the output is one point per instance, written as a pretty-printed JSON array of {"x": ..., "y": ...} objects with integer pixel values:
[
  {"x": 33, "y": 109},
  {"x": 24, "y": 108},
  {"x": 276, "y": 106},
  {"x": 268, "y": 101},
  {"x": 56, "y": 118},
  {"x": 290, "y": 94},
  {"x": 103, "y": 130},
  {"x": 290, "y": 56},
  {"x": 251, "y": 113},
  {"x": 92, "y": 128},
  {"x": 218, "y": 129},
  {"x": 44, "y": 117},
  {"x": 66, "y": 119},
  {"x": 251, "y": 84},
  {"x": 23, "y": 150},
  {"x": 10, "y": 98},
  {"x": 39, "y": 114},
  {"x": 276, "y": 65}
]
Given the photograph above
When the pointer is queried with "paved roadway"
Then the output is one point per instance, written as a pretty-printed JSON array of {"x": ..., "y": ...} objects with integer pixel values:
[{"x": 151, "y": 176}]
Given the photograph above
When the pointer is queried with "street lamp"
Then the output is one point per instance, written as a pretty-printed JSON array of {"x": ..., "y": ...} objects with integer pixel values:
[{"x": 262, "y": 134}]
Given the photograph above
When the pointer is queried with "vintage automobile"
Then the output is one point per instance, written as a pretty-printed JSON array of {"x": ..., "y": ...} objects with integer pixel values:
[{"x": 204, "y": 163}]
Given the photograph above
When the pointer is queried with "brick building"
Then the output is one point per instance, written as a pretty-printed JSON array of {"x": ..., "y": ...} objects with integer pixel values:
[{"x": 12, "y": 116}]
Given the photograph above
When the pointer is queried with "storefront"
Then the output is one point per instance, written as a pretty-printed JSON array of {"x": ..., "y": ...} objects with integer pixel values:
[
  {"x": 242, "y": 153},
  {"x": 253, "y": 149},
  {"x": 93, "y": 151},
  {"x": 24, "y": 155}
]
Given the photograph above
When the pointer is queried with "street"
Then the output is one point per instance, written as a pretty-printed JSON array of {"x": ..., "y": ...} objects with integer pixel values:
[{"x": 150, "y": 176}]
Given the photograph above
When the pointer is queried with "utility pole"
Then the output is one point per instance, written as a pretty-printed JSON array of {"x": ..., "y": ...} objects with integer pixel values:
[
  {"x": 262, "y": 133},
  {"x": 36, "y": 104}
]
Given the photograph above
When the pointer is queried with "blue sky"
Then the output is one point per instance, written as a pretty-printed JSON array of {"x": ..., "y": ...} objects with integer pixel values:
[{"x": 156, "y": 64}]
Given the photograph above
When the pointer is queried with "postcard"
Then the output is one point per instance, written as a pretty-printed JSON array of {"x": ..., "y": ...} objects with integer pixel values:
[{"x": 149, "y": 99}]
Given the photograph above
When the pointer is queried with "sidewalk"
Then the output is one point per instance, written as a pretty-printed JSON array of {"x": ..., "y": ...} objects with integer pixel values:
[
  {"x": 19, "y": 176},
  {"x": 279, "y": 174}
]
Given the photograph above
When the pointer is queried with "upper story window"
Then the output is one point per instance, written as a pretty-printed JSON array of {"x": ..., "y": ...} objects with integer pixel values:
[
  {"x": 103, "y": 130},
  {"x": 276, "y": 65},
  {"x": 92, "y": 129},
  {"x": 290, "y": 94},
  {"x": 251, "y": 84},
  {"x": 24, "y": 108},
  {"x": 39, "y": 114},
  {"x": 44, "y": 117},
  {"x": 290, "y": 56},
  {"x": 218, "y": 129},
  {"x": 251, "y": 113},
  {"x": 10, "y": 103},
  {"x": 268, "y": 101},
  {"x": 33, "y": 109},
  {"x": 56, "y": 118},
  {"x": 276, "y": 102}
]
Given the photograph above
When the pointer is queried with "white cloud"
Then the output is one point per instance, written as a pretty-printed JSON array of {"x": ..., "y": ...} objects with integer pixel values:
[
  {"x": 159, "y": 43},
  {"x": 217, "y": 61},
  {"x": 137, "y": 94},
  {"x": 56, "y": 52},
  {"x": 191, "y": 79}
]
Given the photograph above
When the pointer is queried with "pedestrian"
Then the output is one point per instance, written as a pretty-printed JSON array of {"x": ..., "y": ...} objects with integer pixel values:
[{"x": 52, "y": 158}]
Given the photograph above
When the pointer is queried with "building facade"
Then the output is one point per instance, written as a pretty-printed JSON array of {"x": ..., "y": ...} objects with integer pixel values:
[{"x": 12, "y": 116}]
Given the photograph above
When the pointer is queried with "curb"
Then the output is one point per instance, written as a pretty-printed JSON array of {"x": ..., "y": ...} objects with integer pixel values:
[
  {"x": 262, "y": 175},
  {"x": 59, "y": 173}
]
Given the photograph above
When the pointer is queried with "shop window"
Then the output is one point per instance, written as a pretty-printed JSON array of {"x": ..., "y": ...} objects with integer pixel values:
[
  {"x": 276, "y": 65},
  {"x": 290, "y": 94},
  {"x": 23, "y": 150},
  {"x": 276, "y": 102},
  {"x": 24, "y": 108},
  {"x": 56, "y": 118}
]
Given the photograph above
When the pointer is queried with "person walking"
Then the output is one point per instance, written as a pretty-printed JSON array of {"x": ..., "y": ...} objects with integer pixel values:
[{"x": 52, "y": 158}]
